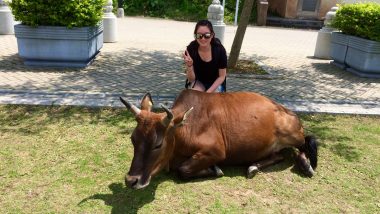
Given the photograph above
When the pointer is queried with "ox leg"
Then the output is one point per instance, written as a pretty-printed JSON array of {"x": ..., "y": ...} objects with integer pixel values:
[
  {"x": 255, "y": 167},
  {"x": 199, "y": 166}
]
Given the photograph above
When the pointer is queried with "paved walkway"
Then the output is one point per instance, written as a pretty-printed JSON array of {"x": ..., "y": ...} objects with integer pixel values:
[{"x": 147, "y": 58}]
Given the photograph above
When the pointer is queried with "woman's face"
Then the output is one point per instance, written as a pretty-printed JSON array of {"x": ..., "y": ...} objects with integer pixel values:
[{"x": 203, "y": 36}]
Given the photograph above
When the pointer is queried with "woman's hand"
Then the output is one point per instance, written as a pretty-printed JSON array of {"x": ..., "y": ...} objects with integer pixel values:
[
  {"x": 189, "y": 66},
  {"x": 187, "y": 59}
]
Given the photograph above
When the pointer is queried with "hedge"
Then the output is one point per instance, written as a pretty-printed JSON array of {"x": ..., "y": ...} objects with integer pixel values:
[
  {"x": 183, "y": 10},
  {"x": 69, "y": 13},
  {"x": 360, "y": 19}
]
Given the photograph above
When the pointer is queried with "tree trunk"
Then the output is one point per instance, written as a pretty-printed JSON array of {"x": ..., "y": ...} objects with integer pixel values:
[{"x": 239, "y": 36}]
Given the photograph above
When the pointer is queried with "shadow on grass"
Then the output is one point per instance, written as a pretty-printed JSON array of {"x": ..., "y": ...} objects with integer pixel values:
[
  {"x": 241, "y": 170},
  {"x": 127, "y": 200},
  {"x": 346, "y": 151},
  {"x": 318, "y": 125},
  {"x": 30, "y": 120},
  {"x": 289, "y": 155}
]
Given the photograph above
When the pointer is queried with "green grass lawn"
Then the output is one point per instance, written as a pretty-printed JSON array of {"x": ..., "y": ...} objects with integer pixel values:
[{"x": 73, "y": 160}]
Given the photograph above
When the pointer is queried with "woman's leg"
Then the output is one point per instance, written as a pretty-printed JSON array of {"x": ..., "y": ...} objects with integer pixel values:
[
  {"x": 197, "y": 85},
  {"x": 219, "y": 89}
]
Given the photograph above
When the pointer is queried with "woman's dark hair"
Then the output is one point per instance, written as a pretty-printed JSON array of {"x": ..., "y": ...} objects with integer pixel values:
[{"x": 208, "y": 24}]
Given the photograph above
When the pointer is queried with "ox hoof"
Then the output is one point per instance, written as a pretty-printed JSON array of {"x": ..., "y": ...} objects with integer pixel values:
[
  {"x": 252, "y": 171},
  {"x": 305, "y": 167},
  {"x": 310, "y": 172},
  {"x": 218, "y": 171}
]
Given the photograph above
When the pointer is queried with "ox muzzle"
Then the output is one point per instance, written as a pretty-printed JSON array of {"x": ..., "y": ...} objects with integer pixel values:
[{"x": 136, "y": 181}]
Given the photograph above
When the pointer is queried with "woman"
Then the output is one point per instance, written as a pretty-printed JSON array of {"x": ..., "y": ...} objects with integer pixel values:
[{"x": 206, "y": 60}]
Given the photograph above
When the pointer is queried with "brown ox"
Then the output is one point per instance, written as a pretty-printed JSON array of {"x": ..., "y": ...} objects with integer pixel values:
[{"x": 203, "y": 130}]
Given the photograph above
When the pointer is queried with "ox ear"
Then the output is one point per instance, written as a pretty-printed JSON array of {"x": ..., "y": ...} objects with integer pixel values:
[
  {"x": 130, "y": 106},
  {"x": 169, "y": 116},
  {"x": 181, "y": 120},
  {"x": 147, "y": 102}
]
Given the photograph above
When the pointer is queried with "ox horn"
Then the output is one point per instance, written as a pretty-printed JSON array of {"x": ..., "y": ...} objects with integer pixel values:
[
  {"x": 130, "y": 106},
  {"x": 169, "y": 115}
]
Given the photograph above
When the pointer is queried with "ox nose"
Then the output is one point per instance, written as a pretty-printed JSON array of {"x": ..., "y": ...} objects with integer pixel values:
[{"x": 131, "y": 181}]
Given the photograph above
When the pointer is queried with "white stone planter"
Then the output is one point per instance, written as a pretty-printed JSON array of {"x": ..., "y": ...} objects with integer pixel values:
[
  {"x": 338, "y": 49},
  {"x": 363, "y": 57},
  {"x": 55, "y": 46}
]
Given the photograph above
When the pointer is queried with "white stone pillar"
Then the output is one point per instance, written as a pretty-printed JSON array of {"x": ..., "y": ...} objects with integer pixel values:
[
  {"x": 322, "y": 47},
  {"x": 120, "y": 9},
  {"x": 216, "y": 16},
  {"x": 6, "y": 19},
  {"x": 120, "y": 12},
  {"x": 109, "y": 24}
]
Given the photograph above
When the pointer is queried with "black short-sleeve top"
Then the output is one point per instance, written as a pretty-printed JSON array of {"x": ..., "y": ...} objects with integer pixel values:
[{"x": 208, "y": 72}]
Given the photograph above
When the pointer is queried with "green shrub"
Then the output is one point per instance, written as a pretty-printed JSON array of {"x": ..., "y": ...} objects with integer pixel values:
[
  {"x": 183, "y": 10},
  {"x": 361, "y": 19},
  {"x": 174, "y": 9},
  {"x": 69, "y": 13}
]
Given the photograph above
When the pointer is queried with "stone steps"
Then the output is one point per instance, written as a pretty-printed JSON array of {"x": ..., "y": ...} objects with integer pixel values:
[{"x": 294, "y": 23}]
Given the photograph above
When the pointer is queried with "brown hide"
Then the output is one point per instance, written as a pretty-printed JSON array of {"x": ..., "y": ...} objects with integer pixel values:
[
  {"x": 243, "y": 127},
  {"x": 223, "y": 128}
]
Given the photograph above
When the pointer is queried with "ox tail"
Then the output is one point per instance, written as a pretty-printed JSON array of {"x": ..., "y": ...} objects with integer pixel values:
[{"x": 311, "y": 150}]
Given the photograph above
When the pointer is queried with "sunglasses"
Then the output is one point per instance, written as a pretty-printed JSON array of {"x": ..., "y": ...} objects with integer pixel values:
[{"x": 200, "y": 36}]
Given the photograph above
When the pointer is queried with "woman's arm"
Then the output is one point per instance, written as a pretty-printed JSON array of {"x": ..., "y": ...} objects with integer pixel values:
[
  {"x": 218, "y": 81},
  {"x": 190, "y": 74}
]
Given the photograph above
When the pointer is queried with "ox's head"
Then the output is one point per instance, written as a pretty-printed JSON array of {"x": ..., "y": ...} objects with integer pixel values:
[{"x": 153, "y": 141}]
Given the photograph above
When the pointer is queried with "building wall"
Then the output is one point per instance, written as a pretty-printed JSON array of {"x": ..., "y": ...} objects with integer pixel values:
[
  {"x": 325, "y": 7},
  {"x": 278, "y": 6},
  {"x": 289, "y": 8}
]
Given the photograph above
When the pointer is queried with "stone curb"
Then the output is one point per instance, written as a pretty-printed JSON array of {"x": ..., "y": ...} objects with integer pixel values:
[{"x": 112, "y": 100}]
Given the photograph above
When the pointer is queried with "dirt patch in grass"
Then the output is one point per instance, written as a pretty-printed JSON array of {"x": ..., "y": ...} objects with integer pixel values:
[{"x": 247, "y": 67}]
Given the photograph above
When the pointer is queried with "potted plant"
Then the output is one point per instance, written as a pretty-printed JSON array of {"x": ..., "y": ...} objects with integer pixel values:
[
  {"x": 338, "y": 48},
  {"x": 63, "y": 33},
  {"x": 360, "y": 29}
]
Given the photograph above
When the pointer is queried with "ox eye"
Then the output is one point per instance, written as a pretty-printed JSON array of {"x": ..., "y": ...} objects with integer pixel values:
[{"x": 157, "y": 146}]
